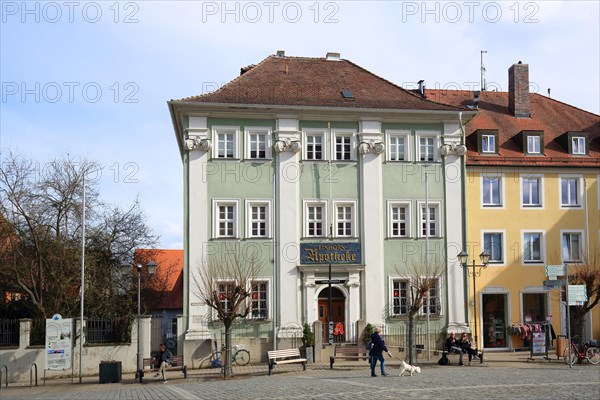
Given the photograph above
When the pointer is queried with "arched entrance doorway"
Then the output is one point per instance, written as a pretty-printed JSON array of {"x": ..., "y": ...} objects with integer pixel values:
[{"x": 338, "y": 308}]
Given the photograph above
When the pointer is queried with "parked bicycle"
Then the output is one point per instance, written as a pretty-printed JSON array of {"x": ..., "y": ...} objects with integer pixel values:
[
  {"x": 239, "y": 357},
  {"x": 571, "y": 354}
]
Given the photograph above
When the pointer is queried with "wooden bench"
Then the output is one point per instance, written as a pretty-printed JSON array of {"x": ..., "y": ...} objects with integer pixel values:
[
  {"x": 287, "y": 356},
  {"x": 445, "y": 351},
  {"x": 348, "y": 353},
  {"x": 176, "y": 365}
]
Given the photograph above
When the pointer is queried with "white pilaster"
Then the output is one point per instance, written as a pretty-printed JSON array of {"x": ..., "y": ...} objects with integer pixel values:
[
  {"x": 454, "y": 204},
  {"x": 287, "y": 284},
  {"x": 371, "y": 193},
  {"x": 354, "y": 296},
  {"x": 198, "y": 145}
]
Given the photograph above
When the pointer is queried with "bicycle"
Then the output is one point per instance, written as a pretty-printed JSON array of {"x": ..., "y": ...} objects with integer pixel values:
[
  {"x": 571, "y": 354},
  {"x": 239, "y": 357}
]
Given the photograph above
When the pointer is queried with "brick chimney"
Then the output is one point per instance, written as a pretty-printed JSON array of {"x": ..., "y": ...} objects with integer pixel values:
[{"x": 518, "y": 90}]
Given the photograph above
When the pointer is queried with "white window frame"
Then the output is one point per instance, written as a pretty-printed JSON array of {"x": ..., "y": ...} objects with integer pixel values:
[
  {"x": 501, "y": 190},
  {"x": 218, "y": 282},
  {"x": 531, "y": 142},
  {"x": 542, "y": 234},
  {"x": 399, "y": 203},
  {"x": 391, "y": 281},
  {"x": 540, "y": 179},
  {"x": 324, "y": 219},
  {"x": 485, "y": 144},
  {"x": 437, "y": 221},
  {"x": 345, "y": 203},
  {"x": 268, "y": 281},
  {"x": 436, "y": 145},
  {"x": 258, "y": 130},
  {"x": 579, "y": 232},
  {"x": 578, "y": 194},
  {"x": 343, "y": 133},
  {"x": 578, "y": 142},
  {"x": 236, "y": 212},
  {"x": 437, "y": 299},
  {"x": 235, "y": 130},
  {"x": 501, "y": 232},
  {"x": 391, "y": 134},
  {"x": 314, "y": 132},
  {"x": 258, "y": 202}
]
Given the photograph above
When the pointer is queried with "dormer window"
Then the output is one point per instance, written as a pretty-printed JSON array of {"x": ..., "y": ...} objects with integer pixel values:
[
  {"x": 487, "y": 141},
  {"x": 577, "y": 143},
  {"x": 488, "y": 144},
  {"x": 578, "y": 146},
  {"x": 533, "y": 145}
]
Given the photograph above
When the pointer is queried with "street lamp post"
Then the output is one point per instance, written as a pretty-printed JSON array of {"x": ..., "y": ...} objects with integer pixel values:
[
  {"x": 151, "y": 266},
  {"x": 463, "y": 257}
]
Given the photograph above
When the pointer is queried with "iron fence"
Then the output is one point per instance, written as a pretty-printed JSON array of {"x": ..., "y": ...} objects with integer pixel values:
[
  {"x": 343, "y": 332},
  {"x": 9, "y": 332},
  {"x": 37, "y": 336},
  {"x": 108, "y": 330}
]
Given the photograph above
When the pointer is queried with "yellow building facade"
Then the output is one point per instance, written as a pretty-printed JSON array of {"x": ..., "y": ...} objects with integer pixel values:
[{"x": 531, "y": 222}]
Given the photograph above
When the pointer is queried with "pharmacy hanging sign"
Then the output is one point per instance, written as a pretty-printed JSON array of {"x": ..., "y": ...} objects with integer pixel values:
[{"x": 330, "y": 253}]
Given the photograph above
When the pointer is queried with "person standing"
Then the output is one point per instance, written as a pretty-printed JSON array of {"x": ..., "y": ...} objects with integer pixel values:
[
  {"x": 453, "y": 346},
  {"x": 163, "y": 360},
  {"x": 376, "y": 352}
]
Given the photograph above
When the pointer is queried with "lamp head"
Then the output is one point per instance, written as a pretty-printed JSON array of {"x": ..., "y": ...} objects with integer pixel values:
[
  {"x": 151, "y": 268},
  {"x": 125, "y": 269},
  {"x": 485, "y": 257},
  {"x": 463, "y": 257}
]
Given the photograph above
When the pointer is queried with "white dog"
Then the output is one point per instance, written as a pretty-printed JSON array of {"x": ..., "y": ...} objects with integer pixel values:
[{"x": 404, "y": 367}]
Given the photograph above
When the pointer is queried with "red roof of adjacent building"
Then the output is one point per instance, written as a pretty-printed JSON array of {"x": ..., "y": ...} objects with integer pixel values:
[
  {"x": 168, "y": 280},
  {"x": 316, "y": 82},
  {"x": 552, "y": 117}
]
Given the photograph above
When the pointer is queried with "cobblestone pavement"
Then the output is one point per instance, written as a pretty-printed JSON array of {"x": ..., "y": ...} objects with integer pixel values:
[{"x": 491, "y": 380}]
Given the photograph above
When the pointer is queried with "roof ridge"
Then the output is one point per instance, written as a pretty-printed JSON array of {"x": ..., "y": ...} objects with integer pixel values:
[
  {"x": 400, "y": 87},
  {"x": 564, "y": 104}
]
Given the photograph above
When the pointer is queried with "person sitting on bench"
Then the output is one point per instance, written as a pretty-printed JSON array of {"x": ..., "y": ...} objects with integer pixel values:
[
  {"x": 163, "y": 360},
  {"x": 453, "y": 346},
  {"x": 465, "y": 345}
]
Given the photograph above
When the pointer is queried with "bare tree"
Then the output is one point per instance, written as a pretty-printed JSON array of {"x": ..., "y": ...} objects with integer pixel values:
[
  {"x": 225, "y": 286},
  {"x": 40, "y": 255},
  {"x": 423, "y": 278}
]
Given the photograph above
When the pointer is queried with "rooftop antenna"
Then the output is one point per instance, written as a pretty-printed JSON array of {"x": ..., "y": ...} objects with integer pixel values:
[{"x": 482, "y": 83}]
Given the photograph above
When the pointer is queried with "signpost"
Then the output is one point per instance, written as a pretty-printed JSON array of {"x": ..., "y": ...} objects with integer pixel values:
[
  {"x": 554, "y": 271},
  {"x": 577, "y": 295},
  {"x": 553, "y": 283}
]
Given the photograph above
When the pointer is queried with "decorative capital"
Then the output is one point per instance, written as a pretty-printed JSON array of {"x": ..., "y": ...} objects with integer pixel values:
[
  {"x": 453, "y": 149},
  {"x": 371, "y": 147},
  {"x": 292, "y": 146},
  {"x": 197, "y": 143}
]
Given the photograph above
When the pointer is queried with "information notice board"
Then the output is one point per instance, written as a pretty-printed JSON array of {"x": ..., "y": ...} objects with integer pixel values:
[
  {"x": 59, "y": 343},
  {"x": 540, "y": 341}
]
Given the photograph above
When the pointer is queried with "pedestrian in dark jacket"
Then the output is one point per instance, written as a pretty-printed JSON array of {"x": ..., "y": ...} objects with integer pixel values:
[
  {"x": 164, "y": 358},
  {"x": 465, "y": 345},
  {"x": 376, "y": 352}
]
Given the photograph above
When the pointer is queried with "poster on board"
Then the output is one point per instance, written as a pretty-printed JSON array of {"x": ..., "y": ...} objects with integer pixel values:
[
  {"x": 538, "y": 343},
  {"x": 59, "y": 343}
]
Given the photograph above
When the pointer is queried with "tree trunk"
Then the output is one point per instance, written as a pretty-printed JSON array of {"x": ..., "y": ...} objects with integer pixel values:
[
  {"x": 227, "y": 373},
  {"x": 411, "y": 351}
]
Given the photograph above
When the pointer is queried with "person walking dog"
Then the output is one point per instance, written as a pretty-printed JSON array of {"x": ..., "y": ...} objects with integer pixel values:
[{"x": 376, "y": 352}]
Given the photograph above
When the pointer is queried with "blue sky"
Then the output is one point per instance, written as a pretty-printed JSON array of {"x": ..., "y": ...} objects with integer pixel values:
[{"x": 92, "y": 79}]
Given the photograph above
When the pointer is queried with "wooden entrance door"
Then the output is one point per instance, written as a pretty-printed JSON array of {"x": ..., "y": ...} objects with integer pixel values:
[{"x": 338, "y": 309}]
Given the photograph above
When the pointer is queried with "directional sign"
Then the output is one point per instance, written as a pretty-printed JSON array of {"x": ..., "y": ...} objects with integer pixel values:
[
  {"x": 555, "y": 270},
  {"x": 555, "y": 282},
  {"x": 577, "y": 295},
  {"x": 328, "y": 281}
]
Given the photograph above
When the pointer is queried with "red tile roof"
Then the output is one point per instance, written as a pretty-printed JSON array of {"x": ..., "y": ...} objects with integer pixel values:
[
  {"x": 168, "y": 281},
  {"x": 552, "y": 117},
  {"x": 302, "y": 81}
]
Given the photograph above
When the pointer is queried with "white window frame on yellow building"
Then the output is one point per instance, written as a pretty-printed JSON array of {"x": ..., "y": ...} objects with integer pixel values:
[
  {"x": 542, "y": 202},
  {"x": 579, "y": 178},
  {"x": 581, "y": 234},
  {"x": 503, "y": 233},
  {"x": 542, "y": 233},
  {"x": 501, "y": 189}
]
